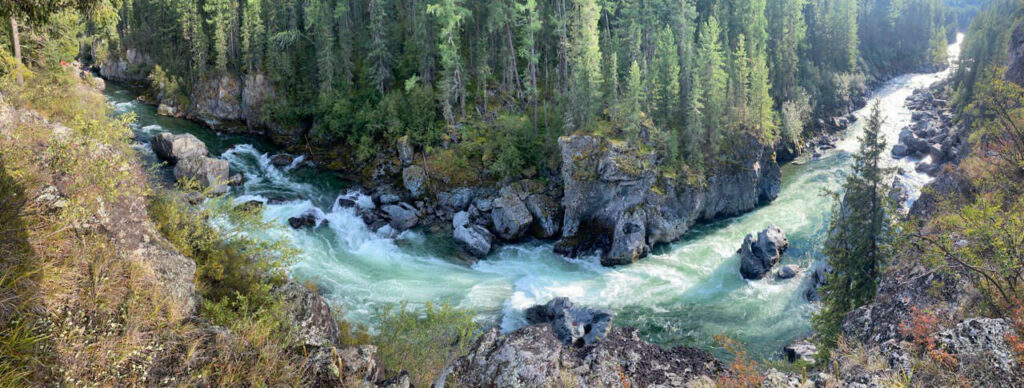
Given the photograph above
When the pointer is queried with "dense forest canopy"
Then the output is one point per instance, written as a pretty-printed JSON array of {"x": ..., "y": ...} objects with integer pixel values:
[{"x": 689, "y": 77}]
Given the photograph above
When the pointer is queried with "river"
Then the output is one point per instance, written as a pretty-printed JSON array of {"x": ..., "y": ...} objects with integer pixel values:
[{"x": 682, "y": 294}]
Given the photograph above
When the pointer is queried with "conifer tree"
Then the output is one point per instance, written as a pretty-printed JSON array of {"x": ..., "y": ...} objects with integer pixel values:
[
  {"x": 707, "y": 108},
  {"x": 858, "y": 239}
]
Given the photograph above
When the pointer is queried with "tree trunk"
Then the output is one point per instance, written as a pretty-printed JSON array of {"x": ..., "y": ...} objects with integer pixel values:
[{"x": 17, "y": 49}]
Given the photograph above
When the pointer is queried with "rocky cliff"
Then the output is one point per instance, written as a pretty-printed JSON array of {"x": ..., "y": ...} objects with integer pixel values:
[
  {"x": 618, "y": 200},
  {"x": 1015, "y": 57}
]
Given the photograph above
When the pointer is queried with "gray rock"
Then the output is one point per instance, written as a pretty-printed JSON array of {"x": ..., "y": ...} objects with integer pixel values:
[
  {"x": 349, "y": 366},
  {"x": 788, "y": 271},
  {"x": 387, "y": 199},
  {"x": 576, "y": 326},
  {"x": 474, "y": 239},
  {"x": 483, "y": 204},
  {"x": 210, "y": 173},
  {"x": 984, "y": 354},
  {"x": 899, "y": 151},
  {"x": 455, "y": 200},
  {"x": 309, "y": 219},
  {"x": 533, "y": 356},
  {"x": 173, "y": 148},
  {"x": 167, "y": 110},
  {"x": 801, "y": 350},
  {"x": 415, "y": 180},
  {"x": 758, "y": 255},
  {"x": 510, "y": 216},
  {"x": 310, "y": 315},
  {"x": 236, "y": 180},
  {"x": 819, "y": 275},
  {"x": 401, "y": 216},
  {"x": 405, "y": 152},
  {"x": 282, "y": 160},
  {"x": 617, "y": 201},
  {"x": 547, "y": 213}
]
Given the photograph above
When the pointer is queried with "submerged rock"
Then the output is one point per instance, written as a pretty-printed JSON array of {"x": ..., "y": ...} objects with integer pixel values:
[
  {"x": 282, "y": 160},
  {"x": 472, "y": 238},
  {"x": 788, "y": 271},
  {"x": 209, "y": 173},
  {"x": 576, "y": 326},
  {"x": 173, "y": 148},
  {"x": 308, "y": 219},
  {"x": 758, "y": 255}
]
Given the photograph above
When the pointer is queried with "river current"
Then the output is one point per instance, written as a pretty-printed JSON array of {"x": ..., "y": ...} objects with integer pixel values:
[{"x": 682, "y": 294}]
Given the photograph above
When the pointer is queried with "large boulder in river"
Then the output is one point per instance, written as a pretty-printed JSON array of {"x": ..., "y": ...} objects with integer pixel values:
[
  {"x": 758, "y": 255},
  {"x": 415, "y": 180},
  {"x": 172, "y": 148},
  {"x": 401, "y": 216},
  {"x": 472, "y": 238},
  {"x": 619, "y": 200},
  {"x": 510, "y": 215},
  {"x": 209, "y": 173},
  {"x": 576, "y": 326}
]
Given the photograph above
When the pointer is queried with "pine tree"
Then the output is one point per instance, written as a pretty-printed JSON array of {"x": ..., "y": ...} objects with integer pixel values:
[
  {"x": 786, "y": 33},
  {"x": 252, "y": 35},
  {"x": 631, "y": 111},
  {"x": 859, "y": 236},
  {"x": 450, "y": 14},
  {"x": 664, "y": 79},
  {"x": 707, "y": 108},
  {"x": 761, "y": 105},
  {"x": 584, "y": 61},
  {"x": 378, "y": 59}
]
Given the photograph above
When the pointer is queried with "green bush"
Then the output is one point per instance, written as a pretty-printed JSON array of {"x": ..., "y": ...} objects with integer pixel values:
[{"x": 423, "y": 342}]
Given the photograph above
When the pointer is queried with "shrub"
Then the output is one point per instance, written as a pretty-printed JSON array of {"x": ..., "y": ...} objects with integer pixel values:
[
  {"x": 743, "y": 370},
  {"x": 423, "y": 342}
]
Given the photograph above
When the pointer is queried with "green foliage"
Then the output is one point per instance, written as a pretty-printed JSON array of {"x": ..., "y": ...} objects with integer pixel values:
[
  {"x": 859, "y": 238},
  {"x": 423, "y": 342}
]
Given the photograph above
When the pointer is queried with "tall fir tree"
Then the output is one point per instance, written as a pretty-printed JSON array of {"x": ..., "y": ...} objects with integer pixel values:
[{"x": 859, "y": 236}]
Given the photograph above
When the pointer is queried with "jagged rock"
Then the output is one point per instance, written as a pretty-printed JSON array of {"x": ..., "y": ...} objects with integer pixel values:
[
  {"x": 788, "y": 271},
  {"x": 282, "y": 160},
  {"x": 236, "y": 180},
  {"x": 576, "y": 326},
  {"x": 981, "y": 347},
  {"x": 173, "y": 148},
  {"x": 415, "y": 180},
  {"x": 1015, "y": 57},
  {"x": 616, "y": 199},
  {"x": 928, "y": 168},
  {"x": 208, "y": 172},
  {"x": 899, "y": 151},
  {"x": 349, "y": 366},
  {"x": 757, "y": 256},
  {"x": 801, "y": 350},
  {"x": 533, "y": 356},
  {"x": 387, "y": 199},
  {"x": 405, "y": 152},
  {"x": 547, "y": 214},
  {"x": 346, "y": 202},
  {"x": 310, "y": 315},
  {"x": 401, "y": 216},
  {"x": 455, "y": 200},
  {"x": 311, "y": 218},
  {"x": 819, "y": 276},
  {"x": 167, "y": 110},
  {"x": 510, "y": 215},
  {"x": 474, "y": 239}
]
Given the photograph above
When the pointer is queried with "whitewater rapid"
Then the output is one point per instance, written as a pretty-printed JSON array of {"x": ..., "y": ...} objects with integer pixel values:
[{"x": 684, "y": 293}]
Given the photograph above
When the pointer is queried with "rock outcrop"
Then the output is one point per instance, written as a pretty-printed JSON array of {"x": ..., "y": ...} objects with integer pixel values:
[
  {"x": 401, "y": 216},
  {"x": 310, "y": 315},
  {"x": 573, "y": 325},
  {"x": 617, "y": 200},
  {"x": 758, "y": 255},
  {"x": 172, "y": 147},
  {"x": 1015, "y": 58},
  {"x": 981, "y": 346},
  {"x": 533, "y": 357}
]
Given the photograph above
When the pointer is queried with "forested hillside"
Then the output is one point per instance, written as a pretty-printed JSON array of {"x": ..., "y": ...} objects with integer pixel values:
[{"x": 688, "y": 77}]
